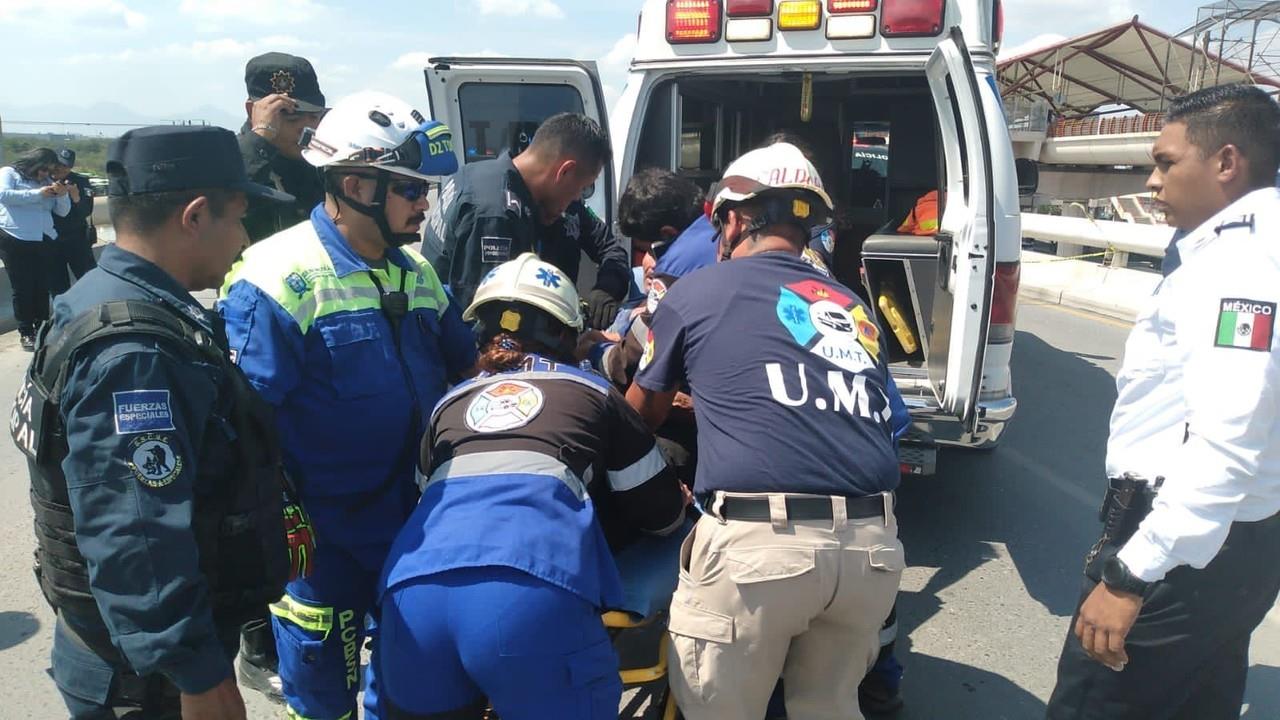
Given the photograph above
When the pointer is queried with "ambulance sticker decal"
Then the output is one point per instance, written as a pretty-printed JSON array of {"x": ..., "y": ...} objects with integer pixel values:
[
  {"x": 821, "y": 319},
  {"x": 153, "y": 461},
  {"x": 504, "y": 406},
  {"x": 1245, "y": 324}
]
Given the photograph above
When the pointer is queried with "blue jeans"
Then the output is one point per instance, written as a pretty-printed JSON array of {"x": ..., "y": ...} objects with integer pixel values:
[{"x": 450, "y": 640}]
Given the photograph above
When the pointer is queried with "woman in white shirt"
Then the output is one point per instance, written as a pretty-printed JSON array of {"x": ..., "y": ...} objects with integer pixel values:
[{"x": 28, "y": 199}]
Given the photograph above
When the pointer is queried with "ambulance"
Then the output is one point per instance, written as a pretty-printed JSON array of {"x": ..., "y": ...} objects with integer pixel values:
[{"x": 895, "y": 99}]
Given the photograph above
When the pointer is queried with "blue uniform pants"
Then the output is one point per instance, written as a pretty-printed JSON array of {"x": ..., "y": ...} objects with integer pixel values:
[
  {"x": 534, "y": 650},
  {"x": 320, "y": 626}
]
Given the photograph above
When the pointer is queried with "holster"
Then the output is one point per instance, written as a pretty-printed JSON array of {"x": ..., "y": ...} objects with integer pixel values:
[{"x": 1127, "y": 503}]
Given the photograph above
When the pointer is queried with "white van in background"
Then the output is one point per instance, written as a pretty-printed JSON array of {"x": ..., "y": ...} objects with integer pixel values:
[{"x": 895, "y": 97}]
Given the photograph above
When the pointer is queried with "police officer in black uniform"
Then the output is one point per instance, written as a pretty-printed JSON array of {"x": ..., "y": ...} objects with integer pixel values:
[
  {"x": 155, "y": 478},
  {"x": 493, "y": 211},
  {"x": 284, "y": 100},
  {"x": 74, "y": 244}
]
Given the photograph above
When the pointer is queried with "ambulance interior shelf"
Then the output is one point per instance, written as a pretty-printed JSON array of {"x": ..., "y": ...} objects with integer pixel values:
[{"x": 901, "y": 279}]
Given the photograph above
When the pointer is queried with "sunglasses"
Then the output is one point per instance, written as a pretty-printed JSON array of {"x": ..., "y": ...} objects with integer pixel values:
[{"x": 411, "y": 190}]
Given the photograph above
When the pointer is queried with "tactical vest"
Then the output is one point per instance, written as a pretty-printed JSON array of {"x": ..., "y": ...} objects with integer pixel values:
[{"x": 237, "y": 514}]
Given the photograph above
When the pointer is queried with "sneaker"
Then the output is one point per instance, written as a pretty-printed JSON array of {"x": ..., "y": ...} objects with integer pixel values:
[{"x": 28, "y": 342}]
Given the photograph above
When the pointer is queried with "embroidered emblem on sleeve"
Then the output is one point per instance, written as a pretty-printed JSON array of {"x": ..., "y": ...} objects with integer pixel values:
[
  {"x": 1245, "y": 324},
  {"x": 138, "y": 411},
  {"x": 153, "y": 460}
]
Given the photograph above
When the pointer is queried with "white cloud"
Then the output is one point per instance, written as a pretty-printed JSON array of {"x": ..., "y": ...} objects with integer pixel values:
[
  {"x": 98, "y": 14},
  {"x": 613, "y": 67},
  {"x": 200, "y": 51},
  {"x": 418, "y": 60},
  {"x": 412, "y": 61},
  {"x": 219, "y": 13},
  {"x": 1035, "y": 43},
  {"x": 519, "y": 8}
]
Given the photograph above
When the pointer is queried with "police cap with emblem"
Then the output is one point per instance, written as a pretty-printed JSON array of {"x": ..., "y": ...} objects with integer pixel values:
[
  {"x": 276, "y": 73},
  {"x": 170, "y": 158}
]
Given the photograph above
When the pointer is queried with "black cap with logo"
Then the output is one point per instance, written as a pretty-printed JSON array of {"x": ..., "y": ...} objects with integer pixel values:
[
  {"x": 67, "y": 157},
  {"x": 169, "y": 158},
  {"x": 283, "y": 74}
]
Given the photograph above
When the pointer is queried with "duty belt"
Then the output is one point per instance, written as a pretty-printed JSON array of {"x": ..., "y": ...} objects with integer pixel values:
[{"x": 811, "y": 507}]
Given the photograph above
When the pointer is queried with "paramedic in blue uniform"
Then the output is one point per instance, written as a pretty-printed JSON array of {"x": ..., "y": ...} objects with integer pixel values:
[
  {"x": 493, "y": 210},
  {"x": 135, "y": 453},
  {"x": 352, "y": 338},
  {"x": 1167, "y": 613},
  {"x": 495, "y": 586},
  {"x": 794, "y": 566}
]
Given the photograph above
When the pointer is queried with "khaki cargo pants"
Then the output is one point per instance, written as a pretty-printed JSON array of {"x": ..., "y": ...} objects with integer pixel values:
[{"x": 803, "y": 600}]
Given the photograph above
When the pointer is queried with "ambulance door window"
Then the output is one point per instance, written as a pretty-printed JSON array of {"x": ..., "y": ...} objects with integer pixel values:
[
  {"x": 869, "y": 165},
  {"x": 700, "y": 137},
  {"x": 504, "y": 116}
]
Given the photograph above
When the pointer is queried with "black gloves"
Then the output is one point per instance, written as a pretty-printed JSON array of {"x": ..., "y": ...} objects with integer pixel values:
[{"x": 602, "y": 308}]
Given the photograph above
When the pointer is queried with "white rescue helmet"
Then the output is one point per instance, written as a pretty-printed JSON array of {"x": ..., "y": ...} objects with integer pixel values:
[
  {"x": 377, "y": 130},
  {"x": 780, "y": 166},
  {"x": 531, "y": 281}
]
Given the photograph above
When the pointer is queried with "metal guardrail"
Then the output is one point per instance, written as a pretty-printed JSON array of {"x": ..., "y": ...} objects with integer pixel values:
[{"x": 1120, "y": 238}]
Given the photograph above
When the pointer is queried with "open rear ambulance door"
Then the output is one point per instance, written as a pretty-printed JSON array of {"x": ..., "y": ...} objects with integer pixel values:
[
  {"x": 961, "y": 308},
  {"x": 496, "y": 104}
]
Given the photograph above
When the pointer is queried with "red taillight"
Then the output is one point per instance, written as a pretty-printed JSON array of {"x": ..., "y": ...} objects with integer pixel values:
[
  {"x": 749, "y": 8},
  {"x": 1004, "y": 301},
  {"x": 837, "y": 7},
  {"x": 693, "y": 21},
  {"x": 997, "y": 33},
  {"x": 911, "y": 18}
]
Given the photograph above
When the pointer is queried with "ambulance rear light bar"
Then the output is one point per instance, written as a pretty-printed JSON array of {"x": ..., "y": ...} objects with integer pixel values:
[
  {"x": 851, "y": 27},
  {"x": 748, "y": 29},
  {"x": 841, "y": 7},
  {"x": 799, "y": 14},
  {"x": 749, "y": 8},
  {"x": 911, "y": 18},
  {"x": 693, "y": 21}
]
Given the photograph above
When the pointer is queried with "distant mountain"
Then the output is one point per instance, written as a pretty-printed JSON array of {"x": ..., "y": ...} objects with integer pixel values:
[{"x": 104, "y": 118}]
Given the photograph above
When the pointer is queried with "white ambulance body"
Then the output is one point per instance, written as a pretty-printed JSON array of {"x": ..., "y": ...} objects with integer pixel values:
[{"x": 896, "y": 98}]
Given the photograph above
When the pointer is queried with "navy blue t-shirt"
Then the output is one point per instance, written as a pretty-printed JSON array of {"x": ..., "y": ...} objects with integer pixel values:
[{"x": 790, "y": 387}]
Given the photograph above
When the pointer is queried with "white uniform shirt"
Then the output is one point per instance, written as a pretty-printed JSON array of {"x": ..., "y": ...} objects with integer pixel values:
[{"x": 1199, "y": 392}]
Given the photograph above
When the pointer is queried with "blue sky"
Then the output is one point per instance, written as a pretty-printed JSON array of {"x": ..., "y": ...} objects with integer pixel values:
[{"x": 85, "y": 60}]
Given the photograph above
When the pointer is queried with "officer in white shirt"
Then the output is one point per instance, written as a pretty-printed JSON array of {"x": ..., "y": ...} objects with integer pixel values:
[{"x": 1169, "y": 606}]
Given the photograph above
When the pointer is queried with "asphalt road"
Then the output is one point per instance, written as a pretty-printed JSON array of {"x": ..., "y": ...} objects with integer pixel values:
[{"x": 995, "y": 543}]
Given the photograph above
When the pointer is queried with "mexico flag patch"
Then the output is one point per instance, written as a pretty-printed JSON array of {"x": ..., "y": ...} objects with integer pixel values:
[{"x": 1245, "y": 324}]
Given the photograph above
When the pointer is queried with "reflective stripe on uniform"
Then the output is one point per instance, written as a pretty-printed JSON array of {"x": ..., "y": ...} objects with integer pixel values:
[
  {"x": 638, "y": 472},
  {"x": 278, "y": 264},
  {"x": 509, "y": 462},
  {"x": 308, "y": 617}
]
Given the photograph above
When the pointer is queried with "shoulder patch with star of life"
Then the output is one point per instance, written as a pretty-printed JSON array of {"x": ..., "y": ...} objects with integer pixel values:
[{"x": 1245, "y": 324}]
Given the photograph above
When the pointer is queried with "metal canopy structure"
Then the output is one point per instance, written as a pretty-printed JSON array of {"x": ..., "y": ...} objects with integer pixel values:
[{"x": 1130, "y": 64}]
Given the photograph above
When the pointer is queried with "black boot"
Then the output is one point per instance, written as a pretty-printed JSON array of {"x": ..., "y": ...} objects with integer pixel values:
[{"x": 258, "y": 666}]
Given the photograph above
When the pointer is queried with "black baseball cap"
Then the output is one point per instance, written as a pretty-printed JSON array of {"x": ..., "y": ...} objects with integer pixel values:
[
  {"x": 169, "y": 158},
  {"x": 67, "y": 157},
  {"x": 280, "y": 73}
]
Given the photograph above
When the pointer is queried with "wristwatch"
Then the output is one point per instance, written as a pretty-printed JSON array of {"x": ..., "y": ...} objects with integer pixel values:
[{"x": 1116, "y": 575}]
